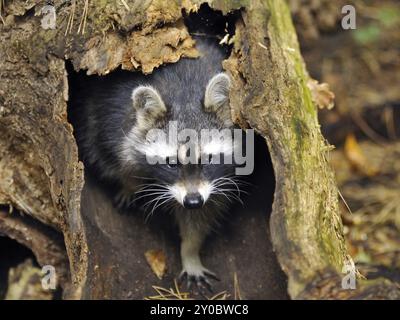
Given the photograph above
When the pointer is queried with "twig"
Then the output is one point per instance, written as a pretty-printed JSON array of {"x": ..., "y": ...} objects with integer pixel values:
[
  {"x": 238, "y": 296},
  {"x": 344, "y": 201},
  {"x": 71, "y": 18},
  {"x": 2, "y": 5},
  {"x": 220, "y": 296},
  {"x": 82, "y": 23},
  {"x": 368, "y": 131},
  {"x": 125, "y": 5},
  {"x": 390, "y": 122}
]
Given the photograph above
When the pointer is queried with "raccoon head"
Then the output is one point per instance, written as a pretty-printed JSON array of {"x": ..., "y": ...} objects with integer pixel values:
[{"x": 189, "y": 170}]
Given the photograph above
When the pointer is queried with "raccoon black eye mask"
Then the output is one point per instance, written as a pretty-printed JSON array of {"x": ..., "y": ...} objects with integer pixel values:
[{"x": 113, "y": 138}]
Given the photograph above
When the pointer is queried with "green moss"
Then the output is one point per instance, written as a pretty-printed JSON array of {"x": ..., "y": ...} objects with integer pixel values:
[
  {"x": 287, "y": 41},
  {"x": 328, "y": 241},
  {"x": 301, "y": 133}
]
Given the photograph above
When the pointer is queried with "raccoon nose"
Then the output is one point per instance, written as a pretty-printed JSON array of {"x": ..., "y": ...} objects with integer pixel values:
[{"x": 193, "y": 201}]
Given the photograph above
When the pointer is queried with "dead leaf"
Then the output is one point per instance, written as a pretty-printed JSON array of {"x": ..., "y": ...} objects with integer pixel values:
[
  {"x": 157, "y": 261},
  {"x": 356, "y": 157},
  {"x": 322, "y": 96}
]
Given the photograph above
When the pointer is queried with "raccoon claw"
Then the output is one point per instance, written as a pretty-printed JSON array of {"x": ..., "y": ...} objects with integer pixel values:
[{"x": 199, "y": 279}]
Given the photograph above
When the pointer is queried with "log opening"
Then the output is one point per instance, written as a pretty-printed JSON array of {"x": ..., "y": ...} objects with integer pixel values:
[{"x": 118, "y": 243}]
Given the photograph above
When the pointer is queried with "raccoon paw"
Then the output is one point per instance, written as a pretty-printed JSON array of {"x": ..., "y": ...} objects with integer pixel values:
[{"x": 199, "y": 277}]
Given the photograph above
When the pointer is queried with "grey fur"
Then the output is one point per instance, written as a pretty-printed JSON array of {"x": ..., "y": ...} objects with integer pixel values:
[
  {"x": 148, "y": 105},
  {"x": 217, "y": 97},
  {"x": 115, "y": 113}
]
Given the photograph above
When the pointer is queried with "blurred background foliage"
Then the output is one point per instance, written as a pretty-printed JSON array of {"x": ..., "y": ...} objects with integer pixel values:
[{"x": 362, "y": 68}]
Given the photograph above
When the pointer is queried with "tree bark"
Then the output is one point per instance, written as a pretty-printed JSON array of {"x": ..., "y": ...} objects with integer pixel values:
[{"x": 41, "y": 176}]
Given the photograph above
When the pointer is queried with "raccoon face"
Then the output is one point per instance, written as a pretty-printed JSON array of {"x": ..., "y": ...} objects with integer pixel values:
[
  {"x": 192, "y": 172},
  {"x": 192, "y": 185}
]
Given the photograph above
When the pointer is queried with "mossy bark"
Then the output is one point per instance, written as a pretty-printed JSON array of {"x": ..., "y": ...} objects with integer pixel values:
[{"x": 39, "y": 169}]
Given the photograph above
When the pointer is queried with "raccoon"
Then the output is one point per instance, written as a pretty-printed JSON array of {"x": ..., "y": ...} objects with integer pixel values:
[{"x": 112, "y": 127}]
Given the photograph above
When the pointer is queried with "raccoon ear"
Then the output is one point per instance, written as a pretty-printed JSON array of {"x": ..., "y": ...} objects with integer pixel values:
[
  {"x": 217, "y": 97},
  {"x": 147, "y": 102}
]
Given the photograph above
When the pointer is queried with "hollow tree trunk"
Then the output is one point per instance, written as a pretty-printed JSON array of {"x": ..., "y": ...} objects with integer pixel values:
[{"x": 41, "y": 176}]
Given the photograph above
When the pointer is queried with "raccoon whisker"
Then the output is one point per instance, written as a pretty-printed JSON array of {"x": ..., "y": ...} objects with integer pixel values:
[
  {"x": 238, "y": 199},
  {"x": 232, "y": 181},
  {"x": 224, "y": 180},
  {"x": 148, "y": 185},
  {"x": 166, "y": 198},
  {"x": 227, "y": 184},
  {"x": 151, "y": 185},
  {"x": 231, "y": 190},
  {"x": 220, "y": 204},
  {"x": 229, "y": 195},
  {"x": 149, "y": 190},
  {"x": 242, "y": 182},
  {"x": 214, "y": 201},
  {"x": 157, "y": 185},
  {"x": 215, "y": 190},
  {"x": 170, "y": 206},
  {"x": 220, "y": 183},
  {"x": 147, "y": 195},
  {"x": 218, "y": 187},
  {"x": 150, "y": 212},
  {"x": 237, "y": 179},
  {"x": 138, "y": 198},
  {"x": 228, "y": 189},
  {"x": 161, "y": 203},
  {"x": 235, "y": 190},
  {"x": 223, "y": 194},
  {"x": 229, "y": 176},
  {"x": 246, "y": 183},
  {"x": 144, "y": 178},
  {"x": 158, "y": 198}
]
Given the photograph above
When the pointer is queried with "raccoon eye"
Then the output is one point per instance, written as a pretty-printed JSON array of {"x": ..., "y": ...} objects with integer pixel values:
[{"x": 171, "y": 163}]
